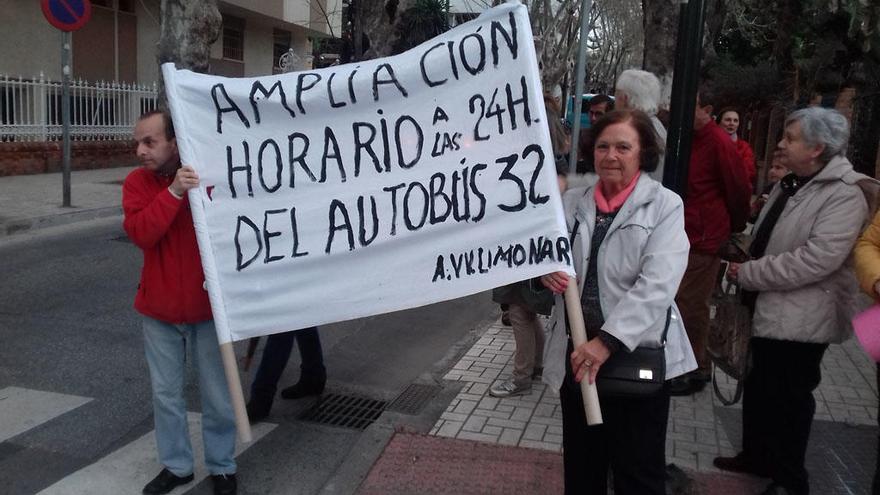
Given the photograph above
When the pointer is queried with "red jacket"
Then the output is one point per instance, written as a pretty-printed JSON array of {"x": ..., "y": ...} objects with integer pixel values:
[
  {"x": 748, "y": 159},
  {"x": 172, "y": 280},
  {"x": 718, "y": 194}
]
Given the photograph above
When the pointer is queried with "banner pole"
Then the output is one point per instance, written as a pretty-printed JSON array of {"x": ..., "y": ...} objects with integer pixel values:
[
  {"x": 242, "y": 424},
  {"x": 578, "y": 338}
]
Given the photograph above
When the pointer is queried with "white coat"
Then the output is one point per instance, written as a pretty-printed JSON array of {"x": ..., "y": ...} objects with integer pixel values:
[{"x": 640, "y": 264}]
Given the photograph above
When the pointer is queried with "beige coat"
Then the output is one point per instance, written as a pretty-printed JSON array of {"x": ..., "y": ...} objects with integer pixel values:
[{"x": 808, "y": 291}]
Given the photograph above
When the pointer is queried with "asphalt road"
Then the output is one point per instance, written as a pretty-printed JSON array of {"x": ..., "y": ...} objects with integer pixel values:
[{"x": 67, "y": 326}]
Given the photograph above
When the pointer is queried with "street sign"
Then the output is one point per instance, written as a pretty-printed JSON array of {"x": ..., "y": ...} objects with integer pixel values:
[{"x": 67, "y": 15}]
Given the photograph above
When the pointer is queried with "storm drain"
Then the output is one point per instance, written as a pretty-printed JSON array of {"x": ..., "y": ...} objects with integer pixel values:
[
  {"x": 345, "y": 411},
  {"x": 414, "y": 398}
]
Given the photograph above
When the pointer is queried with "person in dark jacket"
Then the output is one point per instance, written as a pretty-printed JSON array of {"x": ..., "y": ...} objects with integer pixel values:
[
  {"x": 176, "y": 312},
  {"x": 716, "y": 204}
]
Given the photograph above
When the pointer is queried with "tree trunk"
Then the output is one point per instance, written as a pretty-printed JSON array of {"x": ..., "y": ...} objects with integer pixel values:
[
  {"x": 188, "y": 30},
  {"x": 661, "y": 33},
  {"x": 380, "y": 18}
]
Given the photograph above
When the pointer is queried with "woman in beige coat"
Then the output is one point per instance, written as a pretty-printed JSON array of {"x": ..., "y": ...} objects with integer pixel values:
[{"x": 799, "y": 285}]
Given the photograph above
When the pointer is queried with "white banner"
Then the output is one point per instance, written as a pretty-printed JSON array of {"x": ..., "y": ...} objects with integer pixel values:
[{"x": 365, "y": 188}]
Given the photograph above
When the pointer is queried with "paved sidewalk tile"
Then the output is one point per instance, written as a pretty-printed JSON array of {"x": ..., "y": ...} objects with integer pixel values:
[{"x": 700, "y": 427}]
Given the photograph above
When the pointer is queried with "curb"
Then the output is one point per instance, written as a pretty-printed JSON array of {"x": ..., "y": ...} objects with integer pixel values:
[{"x": 22, "y": 225}]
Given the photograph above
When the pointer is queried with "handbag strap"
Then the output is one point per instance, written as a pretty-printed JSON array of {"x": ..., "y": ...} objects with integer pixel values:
[
  {"x": 666, "y": 328},
  {"x": 737, "y": 394}
]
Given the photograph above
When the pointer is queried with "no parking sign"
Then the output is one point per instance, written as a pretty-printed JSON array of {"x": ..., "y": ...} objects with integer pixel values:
[{"x": 67, "y": 15}]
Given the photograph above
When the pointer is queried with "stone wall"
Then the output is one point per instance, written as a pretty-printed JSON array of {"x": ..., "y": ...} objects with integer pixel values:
[{"x": 41, "y": 157}]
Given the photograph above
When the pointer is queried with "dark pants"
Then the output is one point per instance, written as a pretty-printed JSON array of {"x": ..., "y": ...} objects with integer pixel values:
[
  {"x": 778, "y": 408},
  {"x": 275, "y": 356},
  {"x": 631, "y": 441}
]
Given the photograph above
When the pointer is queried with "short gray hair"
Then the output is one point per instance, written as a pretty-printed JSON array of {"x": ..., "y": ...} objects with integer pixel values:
[
  {"x": 822, "y": 126},
  {"x": 642, "y": 90}
]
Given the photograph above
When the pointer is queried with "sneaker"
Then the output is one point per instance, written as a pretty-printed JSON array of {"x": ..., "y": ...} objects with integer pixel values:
[
  {"x": 509, "y": 388},
  {"x": 165, "y": 482},
  {"x": 224, "y": 484}
]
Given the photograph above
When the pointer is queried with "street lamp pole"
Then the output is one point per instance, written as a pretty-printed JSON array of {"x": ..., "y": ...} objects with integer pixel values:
[{"x": 685, "y": 80}]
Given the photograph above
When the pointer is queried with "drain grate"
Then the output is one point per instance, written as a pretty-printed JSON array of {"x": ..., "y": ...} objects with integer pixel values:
[
  {"x": 122, "y": 238},
  {"x": 414, "y": 398},
  {"x": 345, "y": 410}
]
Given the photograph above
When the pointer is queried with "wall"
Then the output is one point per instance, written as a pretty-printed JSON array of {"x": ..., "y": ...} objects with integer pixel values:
[
  {"x": 38, "y": 158},
  {"x": 28, "y": 44}
]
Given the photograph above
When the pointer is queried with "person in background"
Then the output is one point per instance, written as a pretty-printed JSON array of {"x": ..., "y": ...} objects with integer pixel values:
[
  {"x": 630, "y": 251},
  {"x": 523, "y": 305},
  {"x": 728, "y": 119},
  {"x": 312, "y": 376},
  {"x": 178, "y": 324},
  {"x": 717, "y": 204},
  {"x": 597, "y": 107},
  {"x": 774, "y": 175},
  {"x": 801, "y": 289},
  {"x": 640, "y": 90}
]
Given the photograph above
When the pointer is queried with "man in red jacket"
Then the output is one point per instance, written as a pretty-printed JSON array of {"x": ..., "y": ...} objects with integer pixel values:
[
  {"x": 716, "y": 204},
  {"x": 176, "y": 312}
]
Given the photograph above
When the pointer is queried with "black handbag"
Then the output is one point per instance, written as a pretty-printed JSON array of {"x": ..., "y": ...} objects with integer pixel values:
[{"x": 640, "y": 373}]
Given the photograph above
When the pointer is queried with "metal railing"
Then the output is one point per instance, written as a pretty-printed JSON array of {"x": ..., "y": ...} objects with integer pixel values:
[{"x": 30, "y": 109}]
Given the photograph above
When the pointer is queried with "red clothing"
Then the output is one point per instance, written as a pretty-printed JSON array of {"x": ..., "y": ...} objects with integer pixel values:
[
  {"x": 718, "y": 192},
  {"x": 748, "y": 159},
  {"x": 172, "y": 281}
]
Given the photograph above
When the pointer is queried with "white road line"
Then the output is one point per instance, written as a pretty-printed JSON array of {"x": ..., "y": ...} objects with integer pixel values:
[
  {"x": 129, "y": 468},
  {"x": 22, "y": 409}
]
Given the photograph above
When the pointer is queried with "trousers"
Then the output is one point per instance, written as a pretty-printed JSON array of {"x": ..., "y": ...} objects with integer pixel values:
[
  {"x": 778, "y": 408},
  {"x": 166, "y": 347}
]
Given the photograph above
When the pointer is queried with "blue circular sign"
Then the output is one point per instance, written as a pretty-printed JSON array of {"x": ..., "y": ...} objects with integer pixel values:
[{"x": 67, "y": 15}]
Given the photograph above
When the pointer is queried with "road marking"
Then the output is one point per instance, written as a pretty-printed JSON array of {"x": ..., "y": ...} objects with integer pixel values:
[
  {"x": 129, "y": 468},
  {"x": 22, "y": 409}
]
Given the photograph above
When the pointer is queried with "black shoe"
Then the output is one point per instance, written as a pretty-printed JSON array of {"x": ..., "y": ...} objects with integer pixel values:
[
  {"x": 685, "y": 385},
  {"x": 505, "y": 318},
  {"x": 165, "y": 482},
  {"x": 258, "y": 409},
  {"x": 224, "y": 484},
  {"x": 776, "y": 489},
  {"x": 303, "y": 388},
  {"x": 704, "y": 376},
  {"x": 740, "y": 464}
]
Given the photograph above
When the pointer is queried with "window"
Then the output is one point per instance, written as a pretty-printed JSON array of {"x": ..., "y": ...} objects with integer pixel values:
[
  {"x": 107, "y": 4},
  {"x": 280, "y": 46},
  {"x": 233, "y": 38}
]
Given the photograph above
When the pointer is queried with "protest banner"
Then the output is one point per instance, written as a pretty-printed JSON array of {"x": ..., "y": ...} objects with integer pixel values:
[{"x": 337, "y": 193}]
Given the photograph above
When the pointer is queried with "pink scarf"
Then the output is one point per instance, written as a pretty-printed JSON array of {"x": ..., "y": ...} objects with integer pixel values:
[{"x": 606, "y": 205}]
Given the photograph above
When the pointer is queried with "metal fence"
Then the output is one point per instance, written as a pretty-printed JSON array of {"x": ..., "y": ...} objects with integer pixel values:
[{"x": 30, "y": 109}]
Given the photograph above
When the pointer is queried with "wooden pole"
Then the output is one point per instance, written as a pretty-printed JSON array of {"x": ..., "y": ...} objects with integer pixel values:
[
  {"x": 235, "y": 395},
  {"x": 578, "y": 338}
]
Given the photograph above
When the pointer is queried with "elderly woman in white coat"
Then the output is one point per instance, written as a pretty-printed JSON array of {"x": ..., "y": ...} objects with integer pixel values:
[
  {"x": 630, "y": 252},
  {"x": 802, "y": 289}
]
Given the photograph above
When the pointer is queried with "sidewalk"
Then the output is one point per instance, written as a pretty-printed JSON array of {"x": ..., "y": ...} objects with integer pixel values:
[
  {"x": 485, "y": 445},
  {"x": 29, "y": 202}
]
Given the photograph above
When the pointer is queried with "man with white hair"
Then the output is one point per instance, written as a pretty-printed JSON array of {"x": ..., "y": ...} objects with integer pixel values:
[{"x": 640, "y": 90}]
